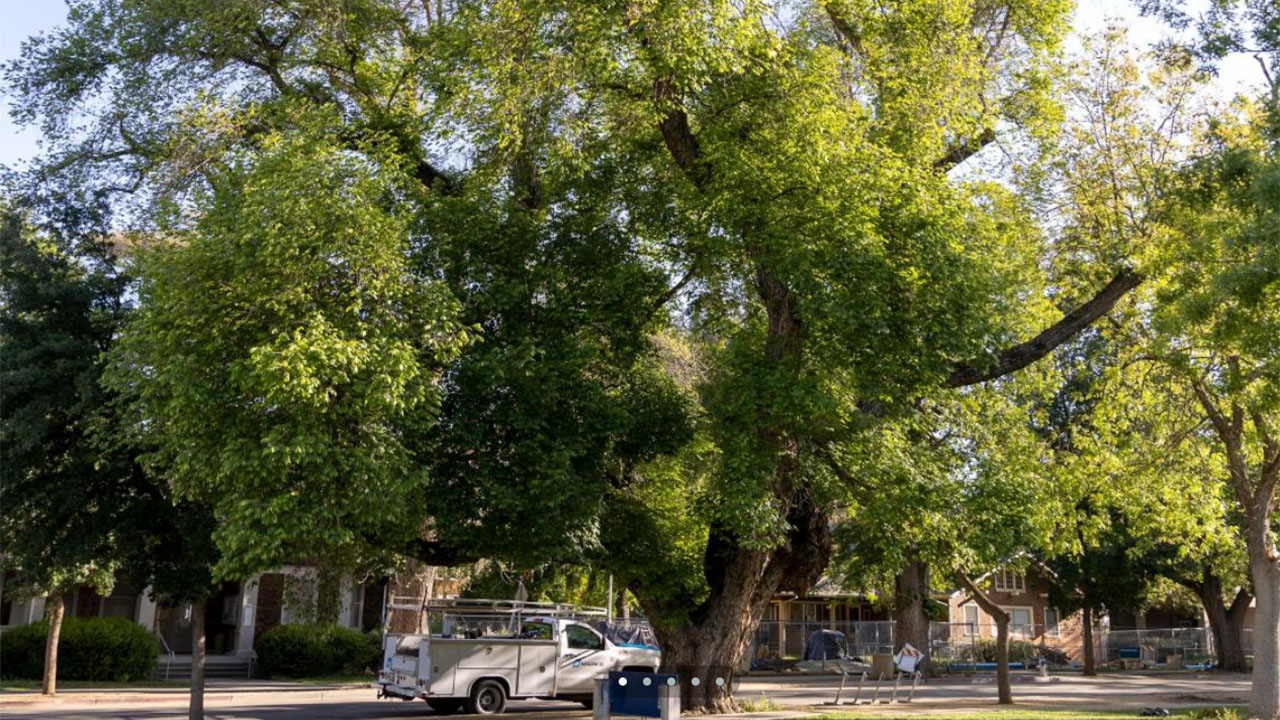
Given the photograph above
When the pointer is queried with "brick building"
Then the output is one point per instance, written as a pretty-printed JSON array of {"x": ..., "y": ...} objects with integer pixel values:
[{"x": 1025, "y": 596}]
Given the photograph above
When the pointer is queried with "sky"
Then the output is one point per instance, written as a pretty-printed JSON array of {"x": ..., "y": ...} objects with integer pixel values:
[{"x": 20, "y": 19}]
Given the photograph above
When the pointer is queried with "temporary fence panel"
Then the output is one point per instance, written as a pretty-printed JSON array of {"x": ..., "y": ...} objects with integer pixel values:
[
  {"x": 1155, "y": 646},
  {"x": 778, "y": 642}
]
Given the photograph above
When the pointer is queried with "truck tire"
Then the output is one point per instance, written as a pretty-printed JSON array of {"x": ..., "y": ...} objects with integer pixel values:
[
  {"x": 488, "y": 697},
  {"x": 445, "y": 706}
]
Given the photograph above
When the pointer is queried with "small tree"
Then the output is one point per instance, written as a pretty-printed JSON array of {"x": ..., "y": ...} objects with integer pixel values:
[
  {"x": 284, "y": 361},
  {"x": 177, "y": 557},
  {"x": 64, "y": 494},
  {"x": 1101, "y": 573}
]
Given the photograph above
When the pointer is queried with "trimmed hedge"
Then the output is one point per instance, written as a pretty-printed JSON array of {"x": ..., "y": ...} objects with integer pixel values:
[
  {"x": 315, "y": 650},
  {"x": 88, "y": 649}
]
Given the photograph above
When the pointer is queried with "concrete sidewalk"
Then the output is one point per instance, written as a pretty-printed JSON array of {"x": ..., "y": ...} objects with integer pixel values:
[{"x": 216, "y": 692}]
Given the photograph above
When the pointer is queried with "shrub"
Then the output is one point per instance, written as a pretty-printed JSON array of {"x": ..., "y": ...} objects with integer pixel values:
[
  {"x": 314, "y": 649},
  {"x": 1220, "y": 713},
  {"x": 22, "y": 651},
  {"x": 984, "y": 650},
  {"x": 764, "y": 704},
  {"x": 88, "y": 649}
]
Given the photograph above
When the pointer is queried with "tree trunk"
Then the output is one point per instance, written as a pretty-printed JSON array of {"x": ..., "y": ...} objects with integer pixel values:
[
  {"x": 196, "y": 709},
  {"x": 709, "y": 645},
  {"x": 1003, "y": 690},
  {"x": 57, "y": 608},
  {"x": 705, "y": 650},
  {"x": 911, "y": 592},
  {"x": 705, "y": 657},
  {"x": 1226, "y": 624},
  {"x": 1264, "y": 699},
  {"x": 1090, "y": 657}
]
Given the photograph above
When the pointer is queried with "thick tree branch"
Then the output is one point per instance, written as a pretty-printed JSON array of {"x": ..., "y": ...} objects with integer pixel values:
[
  {"x": 978, "y": 596},
  {"x": 426, "y": 173},
  {"x": 845, "y": 29},
  {"x": 1270, "y": 472},
  {"x": 1023, "y": 354},
  {"x": 680, "y": 285},
  {"x": 1230, "y": 437},
  {"x": 824, "y": 453},
  {"x": 1195, "y": 585},
  {"x": 1240, "y": 604},
  {"x": 964, "y": 150},
  {"x": 678, "y": 135}
]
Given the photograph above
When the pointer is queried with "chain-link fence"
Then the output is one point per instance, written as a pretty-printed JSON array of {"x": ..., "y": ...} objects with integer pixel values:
[
  {"x": 1158, "y": 646},
  {"x": 963, "y": 643},
  {"x": 782, "y": 642}
]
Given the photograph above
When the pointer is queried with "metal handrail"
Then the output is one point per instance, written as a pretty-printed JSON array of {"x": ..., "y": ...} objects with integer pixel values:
[{"x": 170, "y": 655}]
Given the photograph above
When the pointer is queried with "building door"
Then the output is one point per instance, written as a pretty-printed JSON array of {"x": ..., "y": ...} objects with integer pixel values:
[
  {"x": 220, "y": 616},
  {"x": 174, "y": 623}
]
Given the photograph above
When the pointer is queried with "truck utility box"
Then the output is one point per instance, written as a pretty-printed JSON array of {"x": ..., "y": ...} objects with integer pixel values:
[{"x": 488, "y": 651}]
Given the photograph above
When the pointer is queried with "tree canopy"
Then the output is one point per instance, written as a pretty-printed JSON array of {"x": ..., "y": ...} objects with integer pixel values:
[{"x": 659, "y": 285}]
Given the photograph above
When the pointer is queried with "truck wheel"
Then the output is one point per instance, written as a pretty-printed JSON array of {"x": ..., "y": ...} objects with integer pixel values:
[
  {"x": 488, "y": 698},
  {"x": 445, "y": 706}
]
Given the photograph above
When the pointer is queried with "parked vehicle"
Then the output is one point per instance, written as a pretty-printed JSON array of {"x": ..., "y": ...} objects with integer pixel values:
[{"x": 487, "y": 652}]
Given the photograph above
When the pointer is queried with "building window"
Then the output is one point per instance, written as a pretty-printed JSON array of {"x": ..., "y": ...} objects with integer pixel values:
[
  {"x": 1051, "y": 622},
  {"x": 970, "y": 613},
  {"x": 356, "y": 604},
  {"x": 1020, "y": 622},
  {"x": 1007, "y": 581}
]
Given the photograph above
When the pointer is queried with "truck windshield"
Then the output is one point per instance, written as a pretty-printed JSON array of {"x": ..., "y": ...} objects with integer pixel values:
[{"x": 535, "y": 631}]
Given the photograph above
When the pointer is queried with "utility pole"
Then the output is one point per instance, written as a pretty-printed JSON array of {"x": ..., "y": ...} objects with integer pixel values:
[{"x": 609, "y": 616}]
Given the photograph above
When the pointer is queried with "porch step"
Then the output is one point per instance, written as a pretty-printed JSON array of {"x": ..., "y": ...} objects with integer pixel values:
[{"x": 221, "y": 667}]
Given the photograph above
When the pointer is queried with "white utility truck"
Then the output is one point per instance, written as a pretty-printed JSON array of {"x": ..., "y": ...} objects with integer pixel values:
[{"x": 480, "y": 653}]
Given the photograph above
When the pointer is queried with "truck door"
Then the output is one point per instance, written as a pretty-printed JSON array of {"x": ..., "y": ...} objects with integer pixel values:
[{"x": 582, "y": 660}]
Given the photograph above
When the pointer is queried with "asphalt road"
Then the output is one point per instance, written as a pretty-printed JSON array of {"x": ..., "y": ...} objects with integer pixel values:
[{"x": 796, "y": 694}]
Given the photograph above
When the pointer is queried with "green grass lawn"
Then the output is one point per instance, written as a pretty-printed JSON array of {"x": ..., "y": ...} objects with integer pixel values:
[{"x": 1203, "y": 713}]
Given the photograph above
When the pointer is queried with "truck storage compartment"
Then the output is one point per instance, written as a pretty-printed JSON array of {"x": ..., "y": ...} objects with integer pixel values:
[
  {"x": 497, "y": 654},
  {"x": 537, "y": 669}
]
